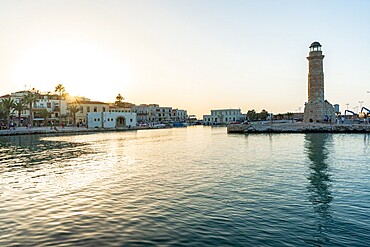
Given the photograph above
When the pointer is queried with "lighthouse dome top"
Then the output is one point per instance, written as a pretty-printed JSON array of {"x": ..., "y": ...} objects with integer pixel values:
[{"x": 315, "y": 46}]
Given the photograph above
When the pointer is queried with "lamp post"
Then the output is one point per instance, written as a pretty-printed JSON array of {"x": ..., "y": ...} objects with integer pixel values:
[
  {"x": 361, "y": 104},
  {"x": 347, "y": 105}
]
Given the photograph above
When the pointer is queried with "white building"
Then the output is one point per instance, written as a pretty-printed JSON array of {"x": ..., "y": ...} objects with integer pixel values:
[
  {"x": 224, "y": 117},
  {"x": 179, "y": 115},
  {"x": 145, "y": 113},
  {"x": 53, "y": 103},
  {"x": 163, "y": 114},
  {"x": 111, "y": 120},
  {"x": 88, "y": 106},
  {"x": 153, "y": 113}
]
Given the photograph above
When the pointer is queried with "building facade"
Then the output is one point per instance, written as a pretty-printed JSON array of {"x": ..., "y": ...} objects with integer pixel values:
[
  {"x": 179, "y": 115},
  {"x": 145, "y": 113},
  {"x": 317, "y": 109},
  {"x": 224, "y": 117},
  {"x": 111, "y": 120},
  {"x": 56, "y": 106},
  {"x": 154, "y": 113},
  {"x": 88, "y": 106}
]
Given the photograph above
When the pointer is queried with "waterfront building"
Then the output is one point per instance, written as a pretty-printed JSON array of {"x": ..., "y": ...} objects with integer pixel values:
[
  {"x": 179, "y": 115},
  {"x": 153, "y": 113},
  {"x": 61, "y": 109},
  {"x": 113, "y": 108},
  {"x": 88, "y": 106},
  {"x": 317, "y": 109},
  {"x": 53, "y": 103},
  {"x": 224, "y": 117},
  {"x": 145, "y": 113},
  {"x": 111, "y": 120},
  {"x": 163, "y": 114}
]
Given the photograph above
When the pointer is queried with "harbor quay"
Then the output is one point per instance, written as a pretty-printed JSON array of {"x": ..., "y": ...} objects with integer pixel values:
[
  {"x": 64, "y": 130},
  {"x": 299, "y": 127}
]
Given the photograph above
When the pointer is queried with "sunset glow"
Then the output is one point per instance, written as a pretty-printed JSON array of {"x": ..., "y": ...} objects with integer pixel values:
[{"x": 193, "y": 55}]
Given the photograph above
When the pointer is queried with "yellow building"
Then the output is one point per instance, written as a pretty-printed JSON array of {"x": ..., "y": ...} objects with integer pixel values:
[{"x": 86, "y": 107}]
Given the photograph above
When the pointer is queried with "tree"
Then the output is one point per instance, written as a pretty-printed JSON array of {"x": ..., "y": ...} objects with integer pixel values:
[
  {"x": 30, "y": 98},
  {"x": 20, "y": 106},
  {"x": 61, "y": 90},
  {"x": 45, "y": 114},
  {"x": 263, "y": 114},
  {"x": 7, "y": 108},
  {"x": 290, "y": 115},
  {"x": 73, "y": 109},
  {"x": 252, "y": 115},
  {"x": 119, "y": 98},
  {"x": 279, "y": 116}
]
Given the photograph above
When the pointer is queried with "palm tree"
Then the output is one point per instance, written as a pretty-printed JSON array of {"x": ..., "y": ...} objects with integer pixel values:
[
  {"x": 73, "y": 109},
  {"x": 45, "y": 114},
  {"x": 61, "y": 90},
  {"x": 7, "y": 108},
  {"x": 30, "y": 98},
  {"x": 19, "y": 107},
  {"x": 119, "y": 99}
]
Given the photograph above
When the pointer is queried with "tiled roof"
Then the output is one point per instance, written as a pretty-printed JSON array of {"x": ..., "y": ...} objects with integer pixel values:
[{"x": 92, "y": 103}]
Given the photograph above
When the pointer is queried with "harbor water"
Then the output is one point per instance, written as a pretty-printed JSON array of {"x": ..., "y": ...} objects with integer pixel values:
[{"x": 194, "y": 186}]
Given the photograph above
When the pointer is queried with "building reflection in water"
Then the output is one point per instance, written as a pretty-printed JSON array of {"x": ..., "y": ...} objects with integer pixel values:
[
  {"x": 319, "y": 187},
  {"x": 28, "y": 151}
]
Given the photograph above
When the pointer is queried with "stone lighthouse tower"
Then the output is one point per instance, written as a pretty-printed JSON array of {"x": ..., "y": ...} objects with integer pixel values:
[{"x": 317, "y": 109}]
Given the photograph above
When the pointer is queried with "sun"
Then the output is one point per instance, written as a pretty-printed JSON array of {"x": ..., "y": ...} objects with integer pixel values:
[{"x": 84, "y": 69}]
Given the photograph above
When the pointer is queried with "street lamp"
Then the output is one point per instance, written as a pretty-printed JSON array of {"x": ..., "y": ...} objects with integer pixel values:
[
  {"x": 347, "y": 105},
  {"x": 361, "y": 103}
]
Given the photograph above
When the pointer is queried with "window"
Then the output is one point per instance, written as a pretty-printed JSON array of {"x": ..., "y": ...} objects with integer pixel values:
[
  {"x": 131, "y": 120},
  {"x": 103, "y": 109},
  {"x": 95, "y": 109},
  {"x": 48, "y": 104},
  {"x": 81, "y": 109},
  {"x": 87, "y": 108}
]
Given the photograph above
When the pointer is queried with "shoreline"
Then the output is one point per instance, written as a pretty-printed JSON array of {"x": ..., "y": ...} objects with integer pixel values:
[
  {"x": 298, "y": 128},
  {"x": 65, "y": 130}
]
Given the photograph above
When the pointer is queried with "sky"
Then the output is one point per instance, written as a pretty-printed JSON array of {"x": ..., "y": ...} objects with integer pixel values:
[{"x": 196, "y": 55}]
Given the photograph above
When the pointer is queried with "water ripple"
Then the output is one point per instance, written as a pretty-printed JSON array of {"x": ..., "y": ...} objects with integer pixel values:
[{"x": 184, "y": 187}]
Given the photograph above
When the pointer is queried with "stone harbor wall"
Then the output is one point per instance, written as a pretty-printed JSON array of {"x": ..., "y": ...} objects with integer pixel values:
[{"x": 298, "y": 128}]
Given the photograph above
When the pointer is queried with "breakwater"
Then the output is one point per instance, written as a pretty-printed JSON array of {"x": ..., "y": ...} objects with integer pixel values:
[{"x": 298, "y": 128}]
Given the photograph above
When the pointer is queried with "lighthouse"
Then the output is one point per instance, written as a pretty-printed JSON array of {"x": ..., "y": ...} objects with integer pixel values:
[{"x": 317, "y": 109}]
